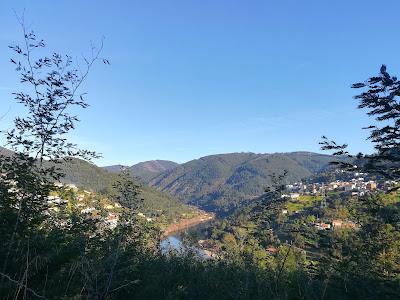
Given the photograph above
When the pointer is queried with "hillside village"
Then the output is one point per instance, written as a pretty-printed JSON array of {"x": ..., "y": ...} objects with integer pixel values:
[
  {"x": 306, "y": 195},
  {"x": 86, "y": 203},
  {"x": 107, "y": 211},
  {"x": 358, "y": 186}
]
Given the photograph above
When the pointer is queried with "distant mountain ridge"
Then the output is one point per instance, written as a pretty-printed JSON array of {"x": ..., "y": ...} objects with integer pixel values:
[
  {"x": 145, "y": 170},
  {"x": 220, "y": 182},
  {"x": 114, "y": 168},
  {"x": 148, "y": 169}
]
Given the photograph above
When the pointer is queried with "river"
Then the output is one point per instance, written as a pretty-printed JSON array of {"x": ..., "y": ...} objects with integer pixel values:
[{"x": 174, "y": 242}]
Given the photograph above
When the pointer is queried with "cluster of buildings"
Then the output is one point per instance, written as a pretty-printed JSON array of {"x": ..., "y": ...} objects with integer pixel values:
[
  {"x": 87, "y": 205},
  {"x": 335, "y": 224},
  {"x": 92, "y": 207},
  {"x": 358, "y": 186}
]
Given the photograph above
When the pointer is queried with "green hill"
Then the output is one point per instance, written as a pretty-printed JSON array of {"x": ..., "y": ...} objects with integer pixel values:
[
  {"x": 89, "y": 176},
  {"x": 220, "y": 182}
]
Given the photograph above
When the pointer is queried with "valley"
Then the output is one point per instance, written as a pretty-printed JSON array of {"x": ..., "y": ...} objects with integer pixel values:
[
  {"x": 220, "y": 183},
  {"x": 213, "y": 154}
]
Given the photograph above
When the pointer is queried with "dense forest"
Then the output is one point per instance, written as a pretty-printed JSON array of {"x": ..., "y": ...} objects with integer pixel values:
[
  {"x": 71, "y": 230},
  {"x": 221, "y": 182}
]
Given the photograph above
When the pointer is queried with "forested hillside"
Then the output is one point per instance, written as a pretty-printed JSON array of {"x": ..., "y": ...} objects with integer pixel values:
[
  {"x": 90, "y": 176},
  {"x": 217, "y": 182},
  {"x": 220, "y": 182},
  {"x": 87, "y": 175},
  {"x": 149, "y": 169}
]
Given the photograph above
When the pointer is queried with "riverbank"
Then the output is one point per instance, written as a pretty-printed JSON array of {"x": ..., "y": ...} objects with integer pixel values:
[{"x": 187, "y": 223}]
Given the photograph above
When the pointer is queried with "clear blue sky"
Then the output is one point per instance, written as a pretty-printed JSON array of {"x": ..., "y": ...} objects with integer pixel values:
[{"x": 191, "y": 78}]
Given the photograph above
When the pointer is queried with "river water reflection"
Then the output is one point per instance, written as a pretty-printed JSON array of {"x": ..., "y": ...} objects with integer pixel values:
[{"x": 173, "y": 243}]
